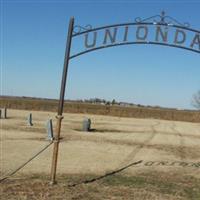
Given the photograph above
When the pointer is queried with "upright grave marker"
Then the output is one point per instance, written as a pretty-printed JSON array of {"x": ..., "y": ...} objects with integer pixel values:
[
  {"x": 29, "y": 120},
  {"x": 49, "y": 128},
  {"x": 4, "y": 113},
  {"x": 86, "y": 124}
]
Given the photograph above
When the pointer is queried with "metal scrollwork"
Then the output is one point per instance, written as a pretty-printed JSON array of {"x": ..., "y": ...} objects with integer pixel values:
[
  {"x": 162, "y": 19},
  {"x": 78, "y": 29}
]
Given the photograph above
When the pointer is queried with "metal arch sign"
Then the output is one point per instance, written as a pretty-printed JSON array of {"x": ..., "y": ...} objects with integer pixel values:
[{"x": 157, "y": 30}]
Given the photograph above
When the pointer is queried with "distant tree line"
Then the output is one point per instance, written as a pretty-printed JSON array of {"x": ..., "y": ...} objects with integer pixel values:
[
  {"x": 107, "y": 102},
  {"x": 101, "y": 101}
]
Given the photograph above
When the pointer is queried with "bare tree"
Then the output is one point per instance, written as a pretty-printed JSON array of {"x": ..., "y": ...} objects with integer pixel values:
[{"x": 196, "y": 100}]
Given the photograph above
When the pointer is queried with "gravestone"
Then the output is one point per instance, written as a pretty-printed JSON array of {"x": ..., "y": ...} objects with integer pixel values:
[
  {"x": 49, "y": 127},
  {"x": 4, "y": 113},
  {"x": 30, "y": 119},
  {"x": 86, "y": 124}
]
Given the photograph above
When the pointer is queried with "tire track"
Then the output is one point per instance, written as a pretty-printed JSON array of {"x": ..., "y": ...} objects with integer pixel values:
[
  {"x": 181, "y": 149},
  {"x": 139, "y": 147}
]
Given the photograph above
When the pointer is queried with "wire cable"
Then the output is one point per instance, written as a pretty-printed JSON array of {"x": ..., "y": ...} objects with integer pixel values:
[{"x": 24, "y": 164}]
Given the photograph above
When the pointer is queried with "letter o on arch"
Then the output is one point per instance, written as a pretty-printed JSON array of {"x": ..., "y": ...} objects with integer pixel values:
[{"x": 142, "y": 32}]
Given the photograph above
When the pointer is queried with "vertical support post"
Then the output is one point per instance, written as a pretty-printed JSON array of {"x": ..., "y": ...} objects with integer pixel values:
[{"x": 61, "y": 102}]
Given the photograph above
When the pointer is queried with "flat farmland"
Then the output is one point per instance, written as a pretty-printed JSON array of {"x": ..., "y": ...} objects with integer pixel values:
[{"x": 100, "y": 164}]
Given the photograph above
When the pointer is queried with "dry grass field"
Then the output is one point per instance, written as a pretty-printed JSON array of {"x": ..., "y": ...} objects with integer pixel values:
[
  {"x": 135, "y": 111},
  {"x": 169, "y": 152}
]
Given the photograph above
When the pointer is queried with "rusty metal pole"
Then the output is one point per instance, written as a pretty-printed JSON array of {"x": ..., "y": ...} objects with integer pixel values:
[{"x": 61, "y": 102}]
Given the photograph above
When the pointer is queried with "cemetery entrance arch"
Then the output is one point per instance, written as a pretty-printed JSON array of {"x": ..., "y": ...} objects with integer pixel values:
[{"x": 156, "y": 30}]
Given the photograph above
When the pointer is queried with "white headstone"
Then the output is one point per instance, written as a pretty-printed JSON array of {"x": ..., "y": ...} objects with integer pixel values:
[
  {"x": 4, "y": 113},
  {"x": 49, "y": 127}
]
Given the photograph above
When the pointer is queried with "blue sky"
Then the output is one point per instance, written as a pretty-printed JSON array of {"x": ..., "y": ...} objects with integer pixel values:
[{"x": 33, "y": 35}]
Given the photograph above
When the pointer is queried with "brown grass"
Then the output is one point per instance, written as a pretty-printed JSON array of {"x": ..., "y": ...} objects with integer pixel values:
[
  {"x": 151, "y": 186},
  {"x": 115, "y": 143}
]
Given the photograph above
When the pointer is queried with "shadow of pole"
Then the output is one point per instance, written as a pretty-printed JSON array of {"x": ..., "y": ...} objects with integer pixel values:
[{"x": 105, "y": 175}]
